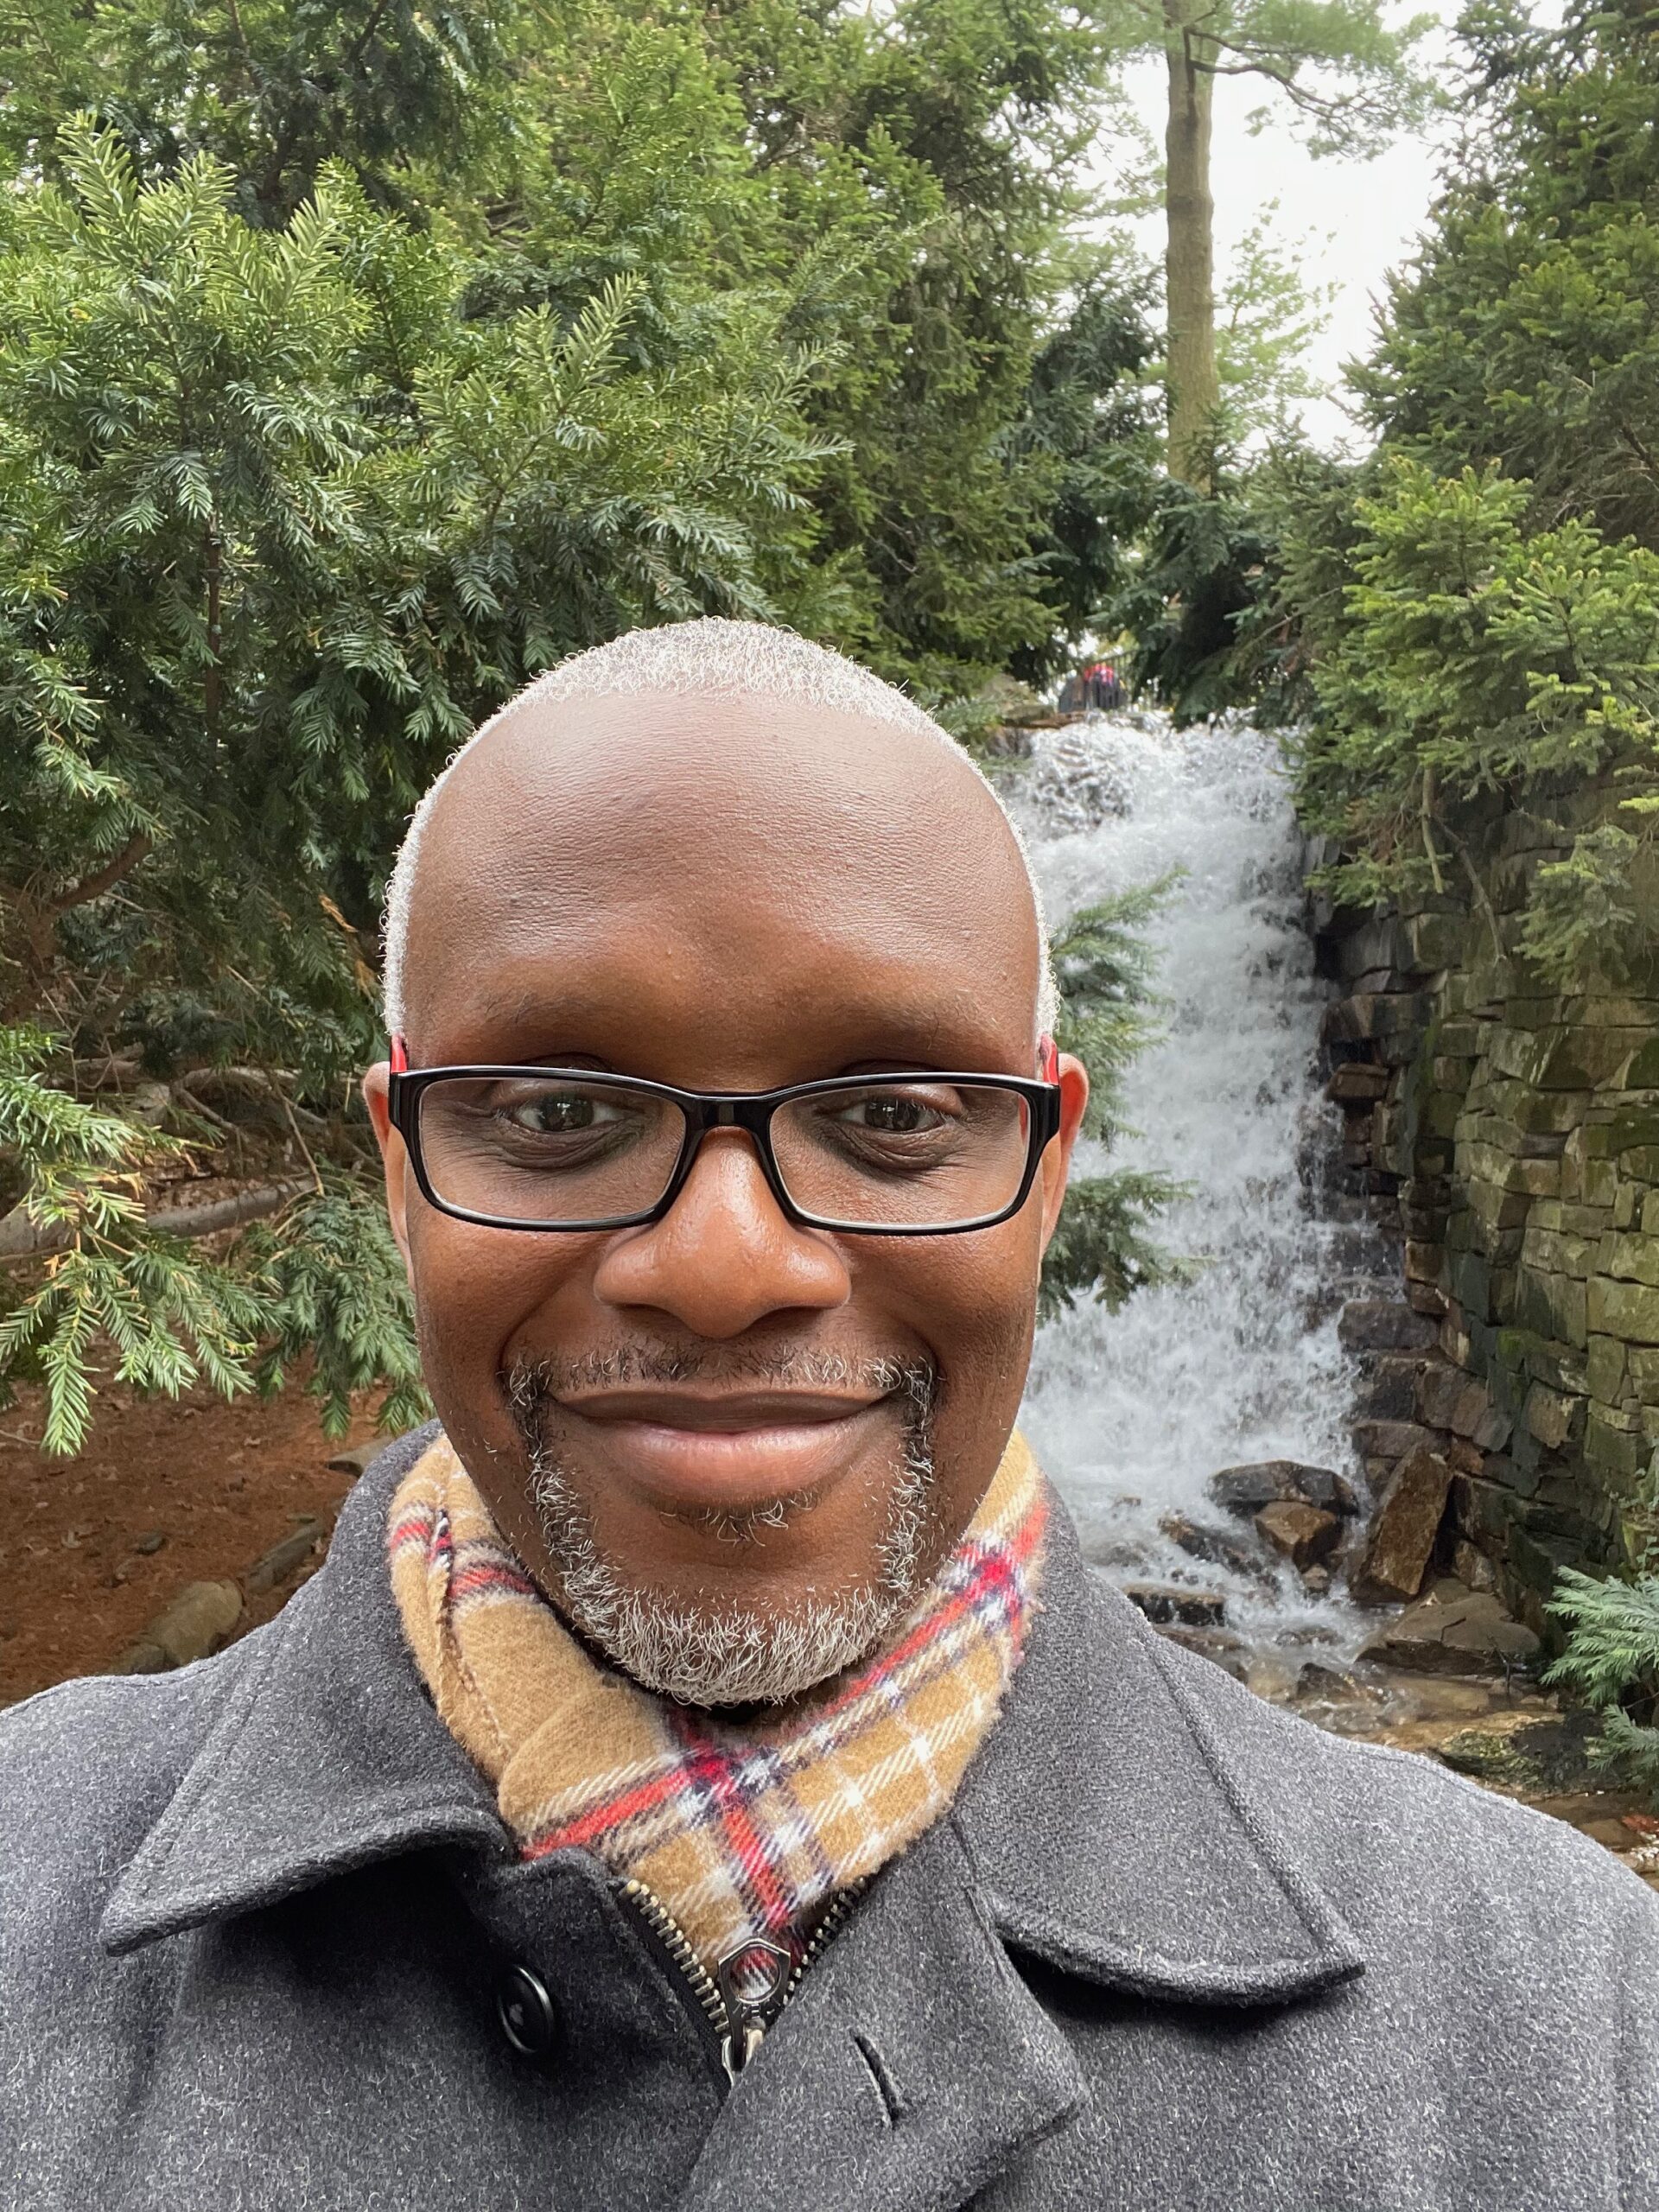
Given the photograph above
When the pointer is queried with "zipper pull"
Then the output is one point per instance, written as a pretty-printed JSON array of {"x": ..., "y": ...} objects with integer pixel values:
[{"x": 752, "y": 1981}]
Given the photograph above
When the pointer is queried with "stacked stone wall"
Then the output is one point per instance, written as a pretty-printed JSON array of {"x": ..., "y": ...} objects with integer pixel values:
[{"x": 1510, "y": 1139}]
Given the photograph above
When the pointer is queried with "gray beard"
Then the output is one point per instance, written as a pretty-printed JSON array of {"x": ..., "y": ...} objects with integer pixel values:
[{"x": 718, "y": 1651}]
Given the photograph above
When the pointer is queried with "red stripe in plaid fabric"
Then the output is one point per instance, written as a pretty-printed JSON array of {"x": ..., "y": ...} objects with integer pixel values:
[
  {"x": 743, "y": 1831},
  {"x": 710, "y": 1784}
]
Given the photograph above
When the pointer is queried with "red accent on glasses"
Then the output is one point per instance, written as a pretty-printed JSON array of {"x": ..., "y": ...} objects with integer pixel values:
[
  {"x": 399, "y": 1056},
  {"x": 1048, "y": 1060}
]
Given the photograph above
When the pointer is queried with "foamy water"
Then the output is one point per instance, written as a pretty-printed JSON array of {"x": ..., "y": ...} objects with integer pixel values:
[{"x": 1132, "y": 1413}]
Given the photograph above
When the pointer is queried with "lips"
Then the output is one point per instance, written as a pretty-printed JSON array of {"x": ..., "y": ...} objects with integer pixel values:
[{"x": 737, "y": 1450}]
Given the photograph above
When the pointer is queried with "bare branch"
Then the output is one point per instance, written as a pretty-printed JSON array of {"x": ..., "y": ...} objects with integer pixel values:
[
  {"x": 23, "y": 1239},
  {"x": 105, "y": 879}
]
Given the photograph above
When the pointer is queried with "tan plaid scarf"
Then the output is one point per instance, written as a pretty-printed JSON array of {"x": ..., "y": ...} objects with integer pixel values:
[{"x": 741, "y": 1834}]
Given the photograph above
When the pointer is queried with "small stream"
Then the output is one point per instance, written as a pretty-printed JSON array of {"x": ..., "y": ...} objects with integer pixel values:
[{"x": 1132, "y": 1413}]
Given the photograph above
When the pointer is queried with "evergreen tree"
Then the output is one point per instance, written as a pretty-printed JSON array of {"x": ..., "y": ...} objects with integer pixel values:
[{"x": 279, "y": 524}]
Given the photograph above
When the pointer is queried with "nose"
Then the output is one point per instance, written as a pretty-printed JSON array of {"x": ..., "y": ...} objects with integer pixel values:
[{"x": 723, "y": 1257}]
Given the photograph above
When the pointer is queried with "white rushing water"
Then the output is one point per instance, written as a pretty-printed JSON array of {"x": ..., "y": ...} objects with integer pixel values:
[{"x": 1132, "y": 1412}]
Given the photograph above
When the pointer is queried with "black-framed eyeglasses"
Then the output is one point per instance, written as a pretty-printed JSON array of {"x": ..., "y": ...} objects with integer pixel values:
[{"x": 905, "y": 1155}]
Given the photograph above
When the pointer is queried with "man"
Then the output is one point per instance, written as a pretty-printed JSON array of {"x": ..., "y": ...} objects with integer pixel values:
[{"x": 703, "y": 1773}]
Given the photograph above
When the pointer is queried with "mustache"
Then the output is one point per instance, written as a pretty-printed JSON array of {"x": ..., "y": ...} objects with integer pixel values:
[{"x": 529, "y": 1385}]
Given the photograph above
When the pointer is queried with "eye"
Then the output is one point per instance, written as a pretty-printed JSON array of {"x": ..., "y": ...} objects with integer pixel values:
[
  {"x": 564, "y": 1113},
  {"x": 889, "y": 1113}
]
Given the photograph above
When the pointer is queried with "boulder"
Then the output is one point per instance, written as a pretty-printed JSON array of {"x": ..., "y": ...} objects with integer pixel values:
[
  {"x": 1215, "y": 1546},
  {"x": 1401, "y": 1538},
  {"x": 1256, "y": 1483},
  {"x": 1301, "y": 1533},
  {"x": 197, "y": 1622},
  {"x": 1326, "y": 1685},
  {"x": 1357, "y": 1082},
  {"x": 1467, "y": 1635},
  {"x": 286, "y": 1557},
  {"x": 1171, "y": 1604}
]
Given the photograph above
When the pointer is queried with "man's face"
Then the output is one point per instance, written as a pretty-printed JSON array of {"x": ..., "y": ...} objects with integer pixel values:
[{"x": 730, "y": 1447}]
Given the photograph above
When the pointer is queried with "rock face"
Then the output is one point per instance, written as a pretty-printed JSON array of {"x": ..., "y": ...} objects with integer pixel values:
[
  {"x": 1504, "y": 1138},
  {"x": 1467, "y": 1634},
  {"x": 1401, "y": 1539},
  {"x": 1301, "y": 1533},
  {"x": 1383, "y": 1325},
  {"x": 1248, "y": 1488}
]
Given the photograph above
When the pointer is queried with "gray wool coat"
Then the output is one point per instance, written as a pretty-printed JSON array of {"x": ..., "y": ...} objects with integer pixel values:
[{"x": 1172, "y": 1947}]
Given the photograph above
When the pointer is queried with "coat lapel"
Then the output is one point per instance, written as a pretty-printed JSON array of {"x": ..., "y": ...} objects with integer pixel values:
[
  {"x": 1116, "y": 1822},
  {"x": 325, "y": 1754}
]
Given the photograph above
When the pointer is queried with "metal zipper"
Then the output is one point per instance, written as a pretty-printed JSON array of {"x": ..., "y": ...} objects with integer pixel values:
[{"x": 739, "y": 2024}]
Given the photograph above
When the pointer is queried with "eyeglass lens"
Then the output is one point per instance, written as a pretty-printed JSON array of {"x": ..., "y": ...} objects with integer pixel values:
[{"x": 565, "y": 1151}]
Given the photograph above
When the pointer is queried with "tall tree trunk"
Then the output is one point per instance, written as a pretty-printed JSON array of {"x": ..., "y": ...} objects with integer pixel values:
[{"x": 1189, "y": 255}]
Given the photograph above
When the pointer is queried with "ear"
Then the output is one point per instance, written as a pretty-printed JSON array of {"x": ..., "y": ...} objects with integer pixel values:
[
  {"x": 394, "y": 1154},
  {"x": 1073, "y": 1079}
]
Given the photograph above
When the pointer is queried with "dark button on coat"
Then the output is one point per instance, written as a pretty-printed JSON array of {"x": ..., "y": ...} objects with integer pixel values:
[{"x": 1172, "y": 1949}]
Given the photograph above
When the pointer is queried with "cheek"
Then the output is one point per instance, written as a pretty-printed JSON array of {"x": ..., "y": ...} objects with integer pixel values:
[
  {"x": 478, "y": 1292},
  {"x": 973, "y": 1301}
]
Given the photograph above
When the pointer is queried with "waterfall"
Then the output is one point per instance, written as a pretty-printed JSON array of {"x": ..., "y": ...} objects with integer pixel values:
[{"x": 1132, "y": 1412}]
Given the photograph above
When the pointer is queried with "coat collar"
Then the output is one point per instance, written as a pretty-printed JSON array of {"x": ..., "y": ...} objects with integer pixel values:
[{"x": 1104, "y": 1827}]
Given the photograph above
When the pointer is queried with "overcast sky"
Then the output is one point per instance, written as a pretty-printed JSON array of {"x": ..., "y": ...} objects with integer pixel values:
[{"x": 1359, "y": 218}]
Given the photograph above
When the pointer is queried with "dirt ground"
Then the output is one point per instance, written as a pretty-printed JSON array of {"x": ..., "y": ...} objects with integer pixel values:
[{"x": 165, "y": 1494}]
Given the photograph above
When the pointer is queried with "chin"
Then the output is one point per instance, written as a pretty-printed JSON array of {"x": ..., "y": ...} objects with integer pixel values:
[{"x": 705, "y": 1646}]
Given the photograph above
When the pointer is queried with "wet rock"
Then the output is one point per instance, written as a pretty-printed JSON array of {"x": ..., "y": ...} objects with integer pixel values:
[
  {"x": 1316, "y": 1580},
  {"x": 1215, "y": 1546},
  {"x": 1301, "y": 1533},
  {"x": 1402, "y": 1539},
  {"x": 1384, "y": 1324},
  {"x": 1440, "y": 1697},
  {"x": 1226, "y": 1651},
  {"x": 285, "y": 1558},
  {"x": 1470, "y": 1633},
  {"x": 197, "y": 1622},
  {"x": 1169, "y": 1604},
  {"x": 1316, "y": 1683},
  {"x": 1248, "y": 1488}
]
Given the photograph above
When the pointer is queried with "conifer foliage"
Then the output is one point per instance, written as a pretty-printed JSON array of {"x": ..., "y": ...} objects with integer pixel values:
[{"x": 354, "y": 366}]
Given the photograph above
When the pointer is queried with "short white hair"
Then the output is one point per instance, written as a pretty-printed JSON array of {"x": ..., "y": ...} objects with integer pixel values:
[{"x": 709, "y": 657}]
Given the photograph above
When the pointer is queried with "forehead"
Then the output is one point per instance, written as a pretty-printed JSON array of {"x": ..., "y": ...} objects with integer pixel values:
[{"x": 719, "y": 889}]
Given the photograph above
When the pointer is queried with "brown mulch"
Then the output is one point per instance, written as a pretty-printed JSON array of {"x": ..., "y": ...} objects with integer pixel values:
[{"x": 218, "y": 1484}]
